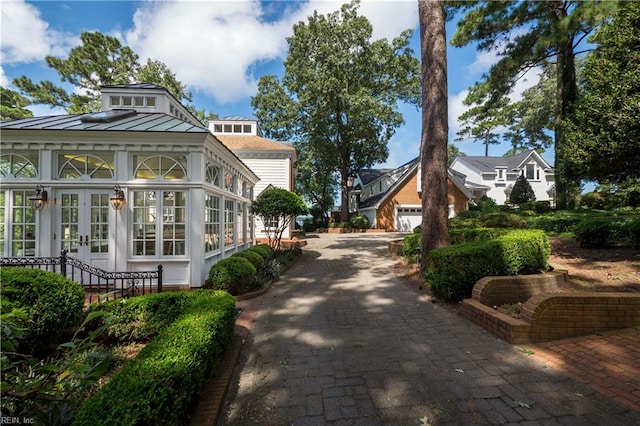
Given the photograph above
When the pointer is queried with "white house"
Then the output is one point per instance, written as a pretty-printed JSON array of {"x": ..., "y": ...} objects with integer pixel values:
[
  {"x": 495, "y": 176},
  {"x": 184, "y": 196},
  {"x": 273, "y": 162}
]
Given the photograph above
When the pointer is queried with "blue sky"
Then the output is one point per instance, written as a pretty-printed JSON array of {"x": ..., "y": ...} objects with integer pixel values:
[{"x": 220, "y": 49}]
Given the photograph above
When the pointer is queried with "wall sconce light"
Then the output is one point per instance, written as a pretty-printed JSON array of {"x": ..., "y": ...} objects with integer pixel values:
[
  {"x": 39, "y": 198},
  {"x": 117, "y": 199}
]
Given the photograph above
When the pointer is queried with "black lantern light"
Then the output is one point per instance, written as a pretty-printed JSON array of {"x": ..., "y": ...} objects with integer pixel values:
[
  {"x": 39, "y": 198},
  {"x": 117, "y": 199}
]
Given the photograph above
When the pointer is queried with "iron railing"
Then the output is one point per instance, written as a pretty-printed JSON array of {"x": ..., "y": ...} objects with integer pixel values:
[{"x": 95, "y": 281}]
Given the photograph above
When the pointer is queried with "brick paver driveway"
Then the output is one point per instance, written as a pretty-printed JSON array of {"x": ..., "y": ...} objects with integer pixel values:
[{"x": 339, "y": 339}]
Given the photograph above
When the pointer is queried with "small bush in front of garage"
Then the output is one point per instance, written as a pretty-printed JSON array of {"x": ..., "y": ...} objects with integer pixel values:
[
  {"x": 161, "y": 384},
  {"x": 453, "y": 271},
  {"x": 412, "y": 244},
  {"x": 359, "y": 222}
]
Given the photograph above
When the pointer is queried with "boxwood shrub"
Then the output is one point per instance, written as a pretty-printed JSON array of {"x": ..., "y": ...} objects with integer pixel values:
[
  {"x": 452, "y": 271},
  {"x": 141, "y": 318},
  {"x": 264, "y": 249},
  {"x": 465, "y": 235},
  {"x": 161, "y": 384},
  {"x": 51, "y": 302},
  {"x": 359, "y": 222},
  {"x": 252, "y": 256},
  {"x": 233, "y": 274}
]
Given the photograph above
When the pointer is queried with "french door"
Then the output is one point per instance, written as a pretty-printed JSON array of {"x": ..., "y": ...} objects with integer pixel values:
[{"x": 83, "y": 225}]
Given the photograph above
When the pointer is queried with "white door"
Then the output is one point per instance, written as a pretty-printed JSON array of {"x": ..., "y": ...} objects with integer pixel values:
[{"x": 83, "y": 225}]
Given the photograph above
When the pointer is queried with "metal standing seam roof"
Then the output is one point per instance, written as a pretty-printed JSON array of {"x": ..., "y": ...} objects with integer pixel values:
[{"x": 140, "y": 122}]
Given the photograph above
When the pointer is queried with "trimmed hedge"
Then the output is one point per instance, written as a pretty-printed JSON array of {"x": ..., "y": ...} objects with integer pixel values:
[
  {"x": 453, "y": 271},
  {"x": 252, "y": 256},
  {"x": 264, "y": 249},
  {"x": 161, "y": 384},
  {"x": 233, "y": 274},
  {"x": 52, "y": 303},
  {"x": 359, "y": 222},
  {"x": 412, "y": 244},
  {"x": 141, "y": 318},
  {"x": 465, "y": 235}
]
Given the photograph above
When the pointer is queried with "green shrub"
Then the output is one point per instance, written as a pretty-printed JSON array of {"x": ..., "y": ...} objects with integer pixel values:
[
  {"x": 417, "y": 229},
  {"x": 308, "y": 225},
  {"x": 163, "y": 382},
  {"x": 539, "y": 207},
  {"x": 503, "y": 220},
  {"x": 633, "y": 228},
  {"x": 465, "y": 235},
  {"x": 264, "y": 250},
  {"x": 593, "y": 233},
  {"x": 411, "y": 244},
  {"x": 453, "y": 271},
  {"x": 555, "y": 224},
  {"x": 52, "y": 303},
  {"x": 252, "y": 256},
  {"x": 141, "y": 318},
  {"x": 359, "y": 222},
  {"x": 233, "y": 274}
]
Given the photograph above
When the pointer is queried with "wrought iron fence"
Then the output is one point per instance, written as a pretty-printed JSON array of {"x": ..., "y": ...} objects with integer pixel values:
[{"x": 95, "y": 281}]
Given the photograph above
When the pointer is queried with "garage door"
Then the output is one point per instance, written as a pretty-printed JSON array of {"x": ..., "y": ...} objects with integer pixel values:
[{"x": 408, "y": 218}]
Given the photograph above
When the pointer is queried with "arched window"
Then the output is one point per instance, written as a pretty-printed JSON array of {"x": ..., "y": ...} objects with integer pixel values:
[
  {"x": 85, "y": 166},
  {"x": 213, "y": 174},
  {"x": 18, "y": 166},
  {"x": 160, "y": 167}
]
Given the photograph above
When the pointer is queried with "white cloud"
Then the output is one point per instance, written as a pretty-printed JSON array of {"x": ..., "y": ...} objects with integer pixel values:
[
  {"x": 215, "y": 46},
  {"x": 4, "y": 80},
  {"x": 456, "y": 109},
  {"x": 24, "y": 33}
]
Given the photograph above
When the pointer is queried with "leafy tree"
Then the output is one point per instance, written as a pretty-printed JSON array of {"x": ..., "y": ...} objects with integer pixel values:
[
  {"x": 316, "y": 181},
  {"x": 13, "y": 105},
  {"x": 433, "y": 145},
  {"x": 527, "y": 34},
  {"x": 277, "y": 208},
  {"x": 100, "y": 60},
  {"x": 340, "y": 92},
  {"x": 531, "y": 119},
  {"x": 521, "y": 192},
  {"x": 452, "y": 153},
  {"x": 603, "y": 134},
  {"x": 482, "y": 122}
]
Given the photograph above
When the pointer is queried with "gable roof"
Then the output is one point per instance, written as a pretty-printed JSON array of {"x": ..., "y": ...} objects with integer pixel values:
[
  {"x": 138, "y": 122},
  {"x": 252, "y": 143},
  {"x": 489, "y": 164},
  {"x": 373, "y": 174}
]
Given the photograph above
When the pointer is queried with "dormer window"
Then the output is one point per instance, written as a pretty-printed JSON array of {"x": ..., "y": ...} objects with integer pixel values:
[
  {"x": 530, "y": 171},
  {"x": 500, "y": 174},
  {"x": 246, "y": 128}
]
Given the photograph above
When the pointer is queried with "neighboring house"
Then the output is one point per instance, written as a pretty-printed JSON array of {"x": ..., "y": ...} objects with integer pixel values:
[
  {"x": 187, "y": 196},
  {"x": 273, "y": 162},
  {"x": 392, "y": 198},
  {"x": 495, "y": 176}
]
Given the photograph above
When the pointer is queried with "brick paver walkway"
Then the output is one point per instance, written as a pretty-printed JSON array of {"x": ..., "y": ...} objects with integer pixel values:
[{"x": 340, "y": 340}]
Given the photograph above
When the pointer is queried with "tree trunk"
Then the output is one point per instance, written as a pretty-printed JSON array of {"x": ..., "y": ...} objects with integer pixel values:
[
  {"x": 566, "y": 93},
  {"x": 435, "y": 128}
]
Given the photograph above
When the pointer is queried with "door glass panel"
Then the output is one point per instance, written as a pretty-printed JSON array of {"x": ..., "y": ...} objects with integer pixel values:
[
  {"x": 69, "y": 234},
  {"x": 99, "y": 228}
]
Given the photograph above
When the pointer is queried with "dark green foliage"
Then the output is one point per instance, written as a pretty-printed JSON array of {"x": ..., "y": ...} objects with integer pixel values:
[
  {"x": 168, "y": 375},
  {"x": 264, "y": 250},
  {"x": 593, "y": 233},
  {"x": 233, "y": 274},
  {"x": 359, "y": 222},
  {"x": 503, "y": 220},
  {"x": 521, "y": 192},
  {"x": 252, "y": 256},
  {"x": 141, "y": 318},
  {"x": 465, "y": 235},
  {"x": 485, "y": 205},
  {"x": 412, "y": 244},
  {"x": 308, "y": 225},
  {"x": 417, "y": 229},
  {"x": 633, "y": 228},
  {"x": 539, "y": 207},
  {"x": 51, "y": 302},
  {"x": 453, "y": 271}
]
